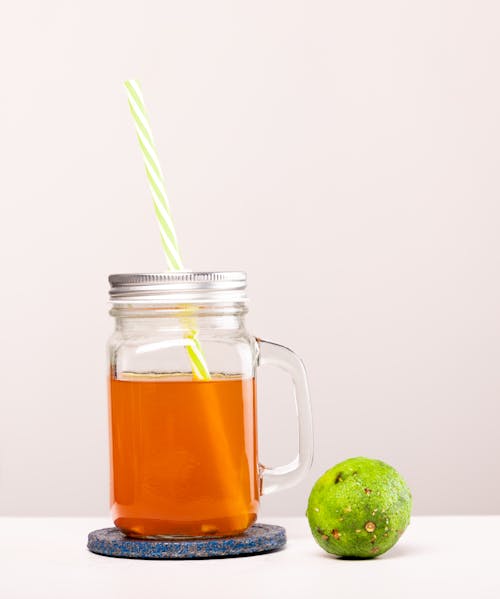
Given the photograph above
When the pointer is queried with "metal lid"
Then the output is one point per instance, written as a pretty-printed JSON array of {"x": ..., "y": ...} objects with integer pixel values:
[{"x": 178, "y": 287}]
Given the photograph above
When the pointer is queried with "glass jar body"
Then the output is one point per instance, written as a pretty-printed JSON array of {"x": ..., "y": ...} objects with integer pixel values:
[{"x": 183, "y": 450}]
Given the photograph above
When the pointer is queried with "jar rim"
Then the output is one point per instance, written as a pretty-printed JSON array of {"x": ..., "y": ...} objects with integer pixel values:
[{"x": 178, "y": 287}]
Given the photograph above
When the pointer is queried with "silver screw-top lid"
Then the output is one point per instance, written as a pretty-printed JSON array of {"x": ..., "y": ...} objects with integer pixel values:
[{"x": 178, "y": 287}]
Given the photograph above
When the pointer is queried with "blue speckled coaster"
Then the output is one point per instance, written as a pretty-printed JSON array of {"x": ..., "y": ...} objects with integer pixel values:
[{"x": 259, "y": 538}]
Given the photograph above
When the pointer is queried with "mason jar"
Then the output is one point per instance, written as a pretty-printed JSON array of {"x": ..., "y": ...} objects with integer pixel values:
[{"x": 183, "y": 407}]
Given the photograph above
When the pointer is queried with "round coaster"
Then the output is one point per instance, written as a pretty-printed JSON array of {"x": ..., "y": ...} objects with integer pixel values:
[{"x": 259, "y": 538}]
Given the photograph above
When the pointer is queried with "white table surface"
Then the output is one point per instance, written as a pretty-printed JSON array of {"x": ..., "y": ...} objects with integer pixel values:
[{"x": 446, "y": 557}]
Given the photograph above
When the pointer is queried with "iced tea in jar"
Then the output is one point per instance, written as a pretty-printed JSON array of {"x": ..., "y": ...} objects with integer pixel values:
[{"x": 183, "y": 446}]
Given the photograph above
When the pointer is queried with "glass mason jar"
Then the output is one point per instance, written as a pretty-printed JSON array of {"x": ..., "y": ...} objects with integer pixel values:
[{"x": 182, "y": 406}]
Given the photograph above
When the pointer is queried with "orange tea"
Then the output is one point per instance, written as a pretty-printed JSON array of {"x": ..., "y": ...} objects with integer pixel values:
[{"x": 183, "y": 455}]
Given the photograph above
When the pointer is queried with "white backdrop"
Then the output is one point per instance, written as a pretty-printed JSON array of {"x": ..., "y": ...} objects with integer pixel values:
[{"x": 345, "y": 154}]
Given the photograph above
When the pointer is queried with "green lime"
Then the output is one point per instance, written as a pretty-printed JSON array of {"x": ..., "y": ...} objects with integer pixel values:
[{"x": 359, "y": 508}]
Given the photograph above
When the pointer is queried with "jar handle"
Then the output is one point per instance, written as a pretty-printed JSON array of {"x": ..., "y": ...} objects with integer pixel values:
[{"x": 278, "y": 478}]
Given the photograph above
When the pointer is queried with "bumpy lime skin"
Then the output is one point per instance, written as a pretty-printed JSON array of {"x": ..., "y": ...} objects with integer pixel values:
[{"x": 359, "y": 508}]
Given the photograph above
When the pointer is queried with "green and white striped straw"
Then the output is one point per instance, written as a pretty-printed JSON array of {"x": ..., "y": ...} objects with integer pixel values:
[{"x": 162, "y": 209}]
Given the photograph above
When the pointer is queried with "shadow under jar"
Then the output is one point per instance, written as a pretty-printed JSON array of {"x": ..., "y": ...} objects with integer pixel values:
[{"x": 183, "y": 445}]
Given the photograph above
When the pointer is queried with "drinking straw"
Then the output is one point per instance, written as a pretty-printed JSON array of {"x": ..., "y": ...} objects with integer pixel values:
[
  {"x": 162, "y": 208},
  {"x": 227, "y": 470}
]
